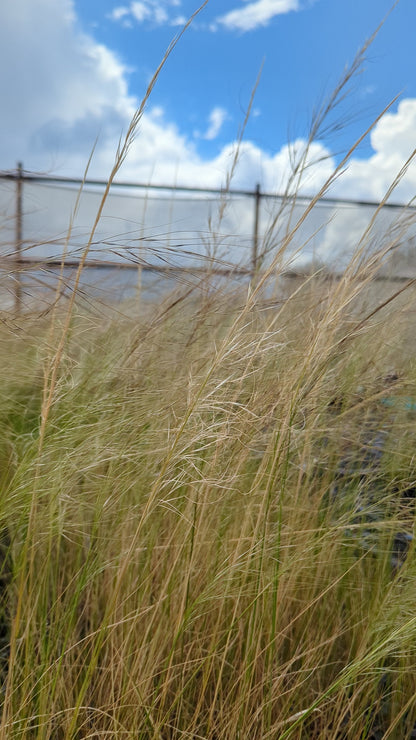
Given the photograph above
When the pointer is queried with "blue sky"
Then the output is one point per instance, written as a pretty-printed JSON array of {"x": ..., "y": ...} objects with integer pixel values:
[
  {"x": 76, "y": 69},
  {"x": 215, "y": 65}
]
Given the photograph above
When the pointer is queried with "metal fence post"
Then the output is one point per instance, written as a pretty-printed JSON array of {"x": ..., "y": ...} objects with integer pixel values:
[
  {"x": 18, "y": 237},
  {"x": 255, "y": 255}
]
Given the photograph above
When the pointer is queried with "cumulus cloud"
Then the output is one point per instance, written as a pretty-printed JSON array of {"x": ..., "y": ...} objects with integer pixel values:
[
  {"x": 61, "y": 78},
  {"x": 66, "y": 90},
  {"x": 393, "y": 141},
  {"x": 255, "y": 14}
]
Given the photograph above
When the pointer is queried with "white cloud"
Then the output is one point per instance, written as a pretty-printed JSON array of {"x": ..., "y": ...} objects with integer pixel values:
[
  {"x": 61, "y": 79},
  {"x": 118, "y": 13},
  {"x": 393, "y": 140},
  {"x": 178, "y": 20},
  {"x": 256, "y": 14},
  {"x": 216, "y": 120},
  {"x": 141, "y": 11},
  {"x": 151, "y": 11}
]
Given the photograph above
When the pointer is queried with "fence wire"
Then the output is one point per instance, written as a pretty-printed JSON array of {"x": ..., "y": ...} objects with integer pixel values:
[{"x": 180, "y": 232}]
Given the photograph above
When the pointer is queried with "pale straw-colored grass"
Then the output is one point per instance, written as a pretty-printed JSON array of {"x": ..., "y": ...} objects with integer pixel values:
[{"x": 186, "y": 560}]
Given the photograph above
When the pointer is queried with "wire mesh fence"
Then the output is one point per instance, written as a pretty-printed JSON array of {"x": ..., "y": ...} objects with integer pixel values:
[{"x": 150, "y": 235}]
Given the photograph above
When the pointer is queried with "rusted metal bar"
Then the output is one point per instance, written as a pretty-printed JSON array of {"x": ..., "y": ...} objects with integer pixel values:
[
  {"x": 255, "y": 251},
  {"x": 18, "y": 238}
]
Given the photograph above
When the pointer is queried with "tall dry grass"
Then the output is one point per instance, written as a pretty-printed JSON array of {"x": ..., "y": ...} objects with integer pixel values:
[
  {"x": 199, "y": 525},
  {"x": 189, "y": 569}
]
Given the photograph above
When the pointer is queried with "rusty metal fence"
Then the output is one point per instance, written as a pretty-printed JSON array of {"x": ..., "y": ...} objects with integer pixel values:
[{"x": 173, "y": 231}]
